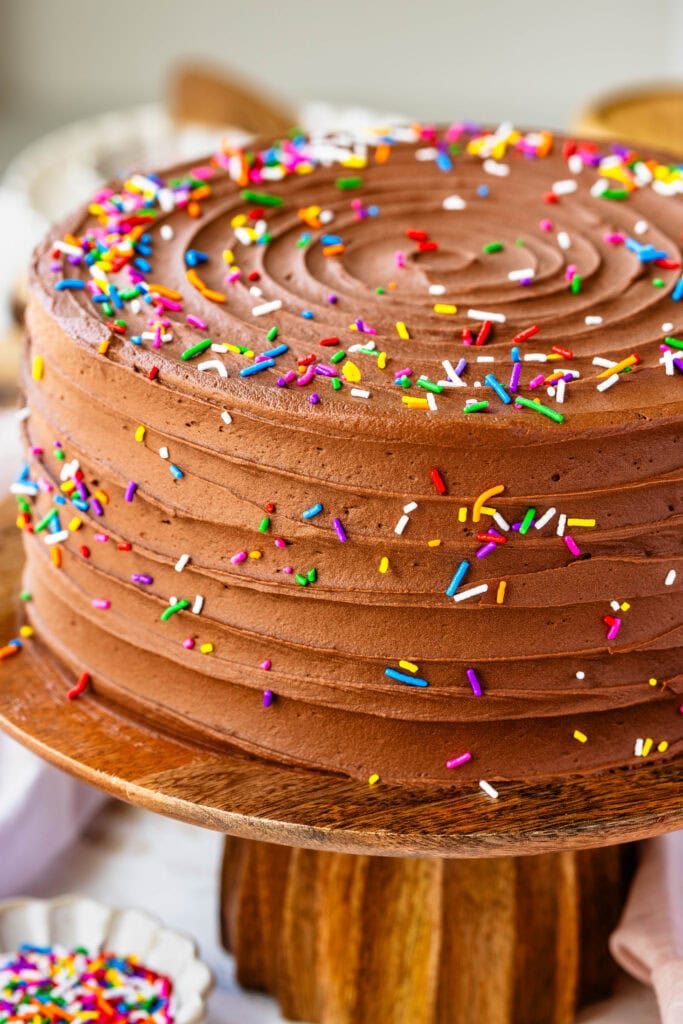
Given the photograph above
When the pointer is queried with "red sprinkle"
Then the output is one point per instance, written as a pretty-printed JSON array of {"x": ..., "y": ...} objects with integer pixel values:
[
  {"x": 564, "y": 352},
  {"x": 524, "y": 335},
  {"x": 329, "y": 341},
  {"x": 438, "y": 481},
  {"x": 484, "y": 332},
  {"x": 417, "y": 236},
  {"x": 427, "y": 246},
  {"x": 491, "y": 538},
  {"x": 154, "y": 372},
  {"x": 550, "y": 197},
  {"x": 85, "y": 551},
  {"x": 80, "y": 686},
  {"x": 467, "y": 336},
  {"x": 123, "y": 546}
]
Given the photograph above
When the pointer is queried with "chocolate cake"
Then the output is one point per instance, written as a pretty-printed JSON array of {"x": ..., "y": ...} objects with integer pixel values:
[{"x": 365, "y": 454}]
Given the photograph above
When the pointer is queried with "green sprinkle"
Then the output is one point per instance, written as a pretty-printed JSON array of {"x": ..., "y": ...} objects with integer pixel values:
[
  {"x": 527, "y": 521},
  {"x": 265, "y": 238},
  {"x": 351, "y": 182},
  {"x": 576, "y": 284},
  {"x": 261, "y": 198},
  {"x": 106, "y": 309},
  {"x": 301, "y": 580},
  {"x": 23, "y": 503},
  {"x": 674, "y": 342},
  {"x": 476, "y": 406},
  {"x": 336, "y": 384},
  {"x": 539, "y": 407},
  {"x": 428, "y": 386},
  {"x": 121, "y": 323},
  {"x": 302, "y": 242},
  {"x": 494, "y": 247},
  {"x": 195, "y": 350},
  {"x": 338, "y": 356},
  {"x": 272, "y": 333},
  {"x": 172, "y": 609},
  {"x": 264, "y": 524},
  {"x": 26, "y": 595},
  {"x": 614, "y": 193},
  {"x": 45, "y": 520},
  {"x": 59, "y": 454},
  {"x": 454, "y": 148},
  {"x": 380, "y": 291},
  {"x": 520, "y": 242},
  {"x": 405, "y": 381},
  {"x": 312, "y": 575},
  {"x": 658, "y": 282},
  {"x": 128, "y": 294}
]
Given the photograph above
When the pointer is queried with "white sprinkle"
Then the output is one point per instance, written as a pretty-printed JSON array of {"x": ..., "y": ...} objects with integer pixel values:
[
  {"x": 216, "y": 347},
  {"x": 173, "y": 599},
  {"x": 486, "y": 359},
  {"x": 437, "y": 289},
  {"x": 563, "y": 240},
  {"x": 608, "y": 382},
  {"x": 431, "y": 401},
  {"x": 401, "y": 525},
  {"x": 640, "y": 227},
  {"x": 667, "y": 361},
  {"x": 454, "y": 203},
  {"x": 638, "y": 748},
  {"x": 561, "y": 524},
  {"x": 600, "y": 186},
  {"x": 606, "y": 363},
  {"x": 166, "y": 232},
  {"x": 561, "y": 385},
  {"x": 642, "y": 173},
  {"x": 575, "y": 163},
  {"x": 56, "y": 538},
  {"x": 488, "y": 789},
  {"x": 580, "y": 675},
  {"x": 166, "y": 199},
  {"x": 667, "y": 328},
  {"x": 452, "y": 375},
  {"x": 267, "y": 307},
  {"x": 181, "y": 563},
  {"x": 545, "y": 518},
  {"x": 410, "y": 507},
  {"x": 501, "y": 523},
  {"x": 535, "y": 357},
  {"x": 564, "y": 188},
  {"x": 426, "y": 153},
  {"x": 135, "y": 306},
  {"x": 614, "y": 605},
  {"x": 496, "y": 169},
  {"x": 272, "y": 173},
  {"x": 198, "y": 604},
  {"x": 151, "y": 336},
  {"x": 464, "y": 595},
  {"x": 480, "y": 314},
  {"x": 22, "y": 488},
  {"x": 326, "y": 216},
  {"x": 670, "y": 578},
  {"x": 226, "y": 417},
  {"x": 163, "y": 452},
  {"x": 244, "y": 236},
  {"x": 256, "y": 291},
  {"x": 67, "y": 248},
  {"x": 213, "y": 364},
  {"x": 525, "y": 274},
  {"x": 667, "y": 188},
  {"x": 550, "y": 391},
  {"x": 593, "y": 321},
  {"x": 360, "y": 393}
]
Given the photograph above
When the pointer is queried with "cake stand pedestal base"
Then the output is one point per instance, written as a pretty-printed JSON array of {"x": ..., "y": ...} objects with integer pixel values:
[{"x": 340, "y": 938}]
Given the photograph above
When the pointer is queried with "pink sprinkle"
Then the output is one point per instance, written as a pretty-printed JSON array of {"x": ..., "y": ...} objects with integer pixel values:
[
  {"x": 234, "y": 275},
  {"x": 307, "y": 377},
  {"x": 546, "y": 225},
  {"x": 188, "y": 644},
  {"x": 203, "y": 173},
  {"x": 195, "y": 321},
  {"x": 161, "y": 300},
  {"x": 102, "y": 537},
  {"x": 239, "y": 557},
  {"x": 400, "y": 258},
  {"x": 280, "y": 542},
  {"x": 455, "y": 762},
  {"x": 570, "y": 272},
  {"x": 614, "y": 238},
  {"x": 572, "y": 545},
  {"x": 36, "y": 451},
  {"x": 99, "y": 602},
  {"x": 265, "y": 665},
  {"x": 289, "y": 569},
  {"x": 537, "y": 381},
  {"x": 614, "y": 629}
]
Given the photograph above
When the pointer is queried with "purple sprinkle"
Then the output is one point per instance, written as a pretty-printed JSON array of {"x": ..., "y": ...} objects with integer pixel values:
[
  {"x": 486, "y": 549},
  {"x": 678, "y": 363},
  {"x": 130, "y": 490},
  {"x": 314, "y": 398},
  {"x": 332, "y": 298},
  {"x": 474, "y": 682},
  {"x": 339, "y": 529},
  {"x": 268, "y": 698},
  {"x": 141, "y": 577},
  {"x": 96, "y": 507}
]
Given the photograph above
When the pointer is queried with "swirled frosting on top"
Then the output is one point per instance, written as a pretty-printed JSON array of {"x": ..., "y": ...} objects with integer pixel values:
[{"x": 366, "y": 454}]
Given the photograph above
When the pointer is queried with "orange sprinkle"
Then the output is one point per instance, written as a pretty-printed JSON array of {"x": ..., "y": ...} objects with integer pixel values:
[
  {"x": 195, "y": 280},
  {"x": 209, "y": 293},
  {"x": 8, "y": 650},
  {"x": 201, "y": 192},
  {"x": 382, "y": 153},
  {"x": 56, "y": 556},
  {"x": 333, "y": 250},
  {"x": 168, "y": 293},
  {"x": 194, "y": 209}
]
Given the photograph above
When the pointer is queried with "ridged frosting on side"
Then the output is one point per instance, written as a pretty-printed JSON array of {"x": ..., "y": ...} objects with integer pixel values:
[{"x": 140, "y": 456}]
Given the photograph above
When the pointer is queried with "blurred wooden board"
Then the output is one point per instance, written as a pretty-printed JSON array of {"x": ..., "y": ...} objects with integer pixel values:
[{"x": 648, "y": 116}]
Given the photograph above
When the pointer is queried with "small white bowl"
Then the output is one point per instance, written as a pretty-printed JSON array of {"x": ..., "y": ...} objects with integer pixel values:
[{"x": 78, "y": 921}]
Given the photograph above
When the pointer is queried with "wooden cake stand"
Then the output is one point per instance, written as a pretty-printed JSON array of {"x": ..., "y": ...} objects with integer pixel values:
[{"x": 372, "y": 905}]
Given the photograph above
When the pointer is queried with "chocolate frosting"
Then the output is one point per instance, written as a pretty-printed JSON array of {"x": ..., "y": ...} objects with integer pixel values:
[{"x": 558, "y": 696}]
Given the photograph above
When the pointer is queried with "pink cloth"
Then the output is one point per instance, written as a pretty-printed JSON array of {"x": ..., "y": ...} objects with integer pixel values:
[{"x": 648, "y": 942}]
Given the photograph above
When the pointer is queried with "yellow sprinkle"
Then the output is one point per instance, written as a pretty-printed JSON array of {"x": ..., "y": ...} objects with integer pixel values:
[
  {"x": 409, "y": 666},
  {"x": 75, "y": 524},
  {"x": 255, "y": 554},
  {"x": 479, "y": 503},
  {"x": 663, "y": 747},
  {"x": 239, "y": 221},
  {"x": 206, "y": 648},
  {"x": 402, "y": 330},
  {"x": 553, "y": 356},
  {"x": 652, "y": 682},
  {"x": 37, "y": 371},
  {"x": 102, "y": 497},
  {"x": 580, "y": 736},
  {"x": 373, "y": 779},
  {"x": 26, "y": 631},
  {"x": 415, "y": 403},
  {"x": 580, "y": 522},
  {"x": 502, "y": 587},
  {"x": 228, "y": 256},
  {"x": 434, "y": 543},
  {"x": 624, "y": 607},
  {"x": 445, "y": 307},
  {"x": 462, "y": 514},
  {"x": 140, "y": 432},
  {"x": 382, "y": 360},
  {"x": 68, "y": 486},
  {"x": 103, "y": 347},
  {"x": 647, "y": 746},
  {"x": 384, "y": 564},
  {"x": 354, "y": 161},
  {"x": 486, "y": 510},
  {"x": 351, "y": 372}
]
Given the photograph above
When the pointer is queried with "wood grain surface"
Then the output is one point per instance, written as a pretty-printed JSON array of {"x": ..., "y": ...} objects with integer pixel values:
[{"x": 246, "y": 796}]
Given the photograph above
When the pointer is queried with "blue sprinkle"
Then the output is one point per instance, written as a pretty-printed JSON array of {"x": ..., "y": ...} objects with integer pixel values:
[
  {"x": 100, "y": 298},
  {"x": 193, "y": 257},
  {"x": 256, "y": 367},
  {"x": 515, "y": 354},
  {"x": 136, "y": 339},
  {"x": 483, "y": 190},
  {"x": 402, "y": 678},
  {"x": 175, "y": 472},
  {"x": 70, "y": 282},
  {"x": 307, "y": 314},
  {"x": 59, "y": 499},
  {"x": 444, "y": 162},
  {"x": 677, "y": 293},
  {"x": 115, "y": 297},
  {"x": 277, "y": 351},
  {"x": 314, "y": 510},
  {"x": 144, "y": 265},
  {"x": 457, "y": 578},
  {"x": 81, "y": 505},
  {"x": 331, "y": 240},
  {"x": 497, "y": 387}
]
